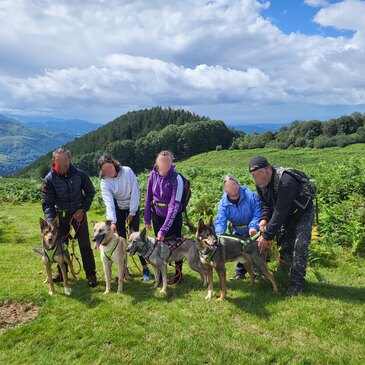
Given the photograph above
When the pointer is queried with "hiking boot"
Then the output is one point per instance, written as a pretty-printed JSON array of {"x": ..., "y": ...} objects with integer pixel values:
[
  {"x": 147, "y": 275},
  {"x": 92, "y": 281},
  {"x": 237, "y": 277},
  {"x": 294, "y": 290}
]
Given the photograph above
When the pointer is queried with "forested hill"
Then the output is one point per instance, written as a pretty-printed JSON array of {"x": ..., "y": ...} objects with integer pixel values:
[{"x": 136, "y": 137}]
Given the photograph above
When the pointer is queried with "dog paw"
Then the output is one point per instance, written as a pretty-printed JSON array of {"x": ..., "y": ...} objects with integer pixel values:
[
  {"x": 209, "y": 295},
  {"x": 163, "y": 291},
  {"x": 106, "y": 292},
  {"x": 51, "y": 292},
  {"x": 119, "y": 292},
  {"x": 68, "y": 290},
  {"x": 220, "y": 299}
]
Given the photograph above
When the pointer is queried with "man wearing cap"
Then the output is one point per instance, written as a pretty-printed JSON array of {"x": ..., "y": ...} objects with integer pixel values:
[
  {"x": 242, "y": 208},
  {"x": 286, "y": 214}
]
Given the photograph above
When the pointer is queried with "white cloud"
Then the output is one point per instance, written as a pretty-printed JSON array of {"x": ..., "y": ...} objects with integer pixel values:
[
  {"x": 109, "y": 57},
  {"x": 316, "y": 3}
]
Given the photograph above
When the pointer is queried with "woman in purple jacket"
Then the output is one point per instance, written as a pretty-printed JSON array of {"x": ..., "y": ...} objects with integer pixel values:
[{"x": 163, "y": 201}]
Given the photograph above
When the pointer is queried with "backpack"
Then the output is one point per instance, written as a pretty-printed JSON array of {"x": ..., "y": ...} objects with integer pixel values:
[
  {"x": 186, "y": 195},
  {"x": 308, "y": 185}
]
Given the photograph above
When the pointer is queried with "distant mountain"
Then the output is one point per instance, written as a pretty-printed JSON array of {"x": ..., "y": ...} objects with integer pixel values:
[
  {"x": 75, "y": 127},
  {"x": 258, "y": 128},
  {"x": 136, "y": 137},
  {"x": 20, "y": 145}
]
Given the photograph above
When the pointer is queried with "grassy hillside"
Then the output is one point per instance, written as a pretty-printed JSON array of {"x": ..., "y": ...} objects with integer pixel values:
[{"x": 252, "y": 326}]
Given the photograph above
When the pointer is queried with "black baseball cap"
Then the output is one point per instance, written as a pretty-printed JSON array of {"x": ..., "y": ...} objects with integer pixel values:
[{"x": 258, "y": 162}]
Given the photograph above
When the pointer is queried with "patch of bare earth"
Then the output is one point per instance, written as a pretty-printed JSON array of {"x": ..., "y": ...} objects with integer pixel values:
[{"x": 16, "y": 314}]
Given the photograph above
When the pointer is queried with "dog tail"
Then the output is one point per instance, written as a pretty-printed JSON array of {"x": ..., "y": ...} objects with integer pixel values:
[{"x": 38, "y": 250}]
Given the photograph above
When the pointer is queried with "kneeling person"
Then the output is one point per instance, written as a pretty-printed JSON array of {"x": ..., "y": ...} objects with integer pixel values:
[{"x": 242, "y": 208}]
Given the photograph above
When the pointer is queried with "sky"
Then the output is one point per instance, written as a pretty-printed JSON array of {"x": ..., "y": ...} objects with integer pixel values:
[{"x": 242, "y": 61}]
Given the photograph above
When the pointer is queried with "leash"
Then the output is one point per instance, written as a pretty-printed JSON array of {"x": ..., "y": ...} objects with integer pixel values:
[
  {"x": 127, "y": 234},
  {"x": 68, "y": 235}
]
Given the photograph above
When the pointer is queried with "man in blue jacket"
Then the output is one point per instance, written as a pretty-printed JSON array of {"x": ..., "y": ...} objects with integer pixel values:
[
  {"x": 242, "y": 208},
  {"x": 67, "y": 192}
]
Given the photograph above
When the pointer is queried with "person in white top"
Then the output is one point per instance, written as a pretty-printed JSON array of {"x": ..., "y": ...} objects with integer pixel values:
[{"x": 120, "y": 192}]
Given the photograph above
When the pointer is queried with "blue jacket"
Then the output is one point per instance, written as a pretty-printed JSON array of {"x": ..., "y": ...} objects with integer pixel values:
[{"x": 246, "y": 213}]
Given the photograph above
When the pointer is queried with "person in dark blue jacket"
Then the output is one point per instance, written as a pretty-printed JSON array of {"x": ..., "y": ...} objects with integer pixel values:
[
  {"x": 242, "y": 208},
  {"x": 67, "y": 192}
]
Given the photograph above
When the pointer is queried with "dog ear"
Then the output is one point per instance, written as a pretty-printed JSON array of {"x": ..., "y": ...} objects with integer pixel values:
[
  {"x": 108, "y": 222},
  {"x": 143, "y": 233},
  {"x": 201, "y": 225},
  {"x": 56, "y": 222},
  {"x": 211, "y": 223},
  {"x": 94, "y": 222},
  {"x": 42, "y": 223}
]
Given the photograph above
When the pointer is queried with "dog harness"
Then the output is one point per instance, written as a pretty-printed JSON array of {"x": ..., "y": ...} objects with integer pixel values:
[
  {"x": 109, "y": 254},
  {"x": 173, "y": 244},
  {"x": 50, "y": 254}
]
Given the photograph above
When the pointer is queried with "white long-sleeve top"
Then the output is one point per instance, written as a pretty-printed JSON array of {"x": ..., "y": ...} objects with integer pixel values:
[{"x": 124, "y": 189}]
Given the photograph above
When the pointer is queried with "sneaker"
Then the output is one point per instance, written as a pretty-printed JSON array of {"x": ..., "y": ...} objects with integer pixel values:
[
  {"x": 238, "y": 277},
  {"x": 294, "y": 290},
  {"x": 92, "y": 281},
  {"x": 147, "y": 276}
]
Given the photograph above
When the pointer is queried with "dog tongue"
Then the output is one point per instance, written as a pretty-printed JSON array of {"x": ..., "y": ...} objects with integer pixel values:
[{"x": 97, "y": 245}]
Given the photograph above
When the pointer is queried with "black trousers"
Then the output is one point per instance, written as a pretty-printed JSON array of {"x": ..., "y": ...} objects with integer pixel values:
[
  {"x": 294, "y": 243},
  {"x": 83, "y": 238},
  {"x": 122, "y": 215},
  {"x": 175, "y": 229}
]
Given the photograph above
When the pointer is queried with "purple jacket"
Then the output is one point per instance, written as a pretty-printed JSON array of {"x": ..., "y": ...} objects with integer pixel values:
[{"x": 160, "y": 191}]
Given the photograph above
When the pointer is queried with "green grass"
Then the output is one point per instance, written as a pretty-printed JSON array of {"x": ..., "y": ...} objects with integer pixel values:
[{"x": 254, "y": 326}]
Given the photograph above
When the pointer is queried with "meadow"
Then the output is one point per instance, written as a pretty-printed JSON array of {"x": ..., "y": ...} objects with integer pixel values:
[{"x": 253, "y": 325}]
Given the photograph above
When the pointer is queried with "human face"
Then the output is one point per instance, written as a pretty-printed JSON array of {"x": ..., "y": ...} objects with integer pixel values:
[
  {"x": 262, "y": 176},
  {"x": 62, "y": 161},
  {"x": 163, "y": 164},
  {"x": 108, "y": 169},
  {"x": 232, "y": 189}
]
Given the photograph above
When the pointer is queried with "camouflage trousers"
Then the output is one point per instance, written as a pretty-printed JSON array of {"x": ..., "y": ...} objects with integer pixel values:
[{"x": 294, "y": 240}]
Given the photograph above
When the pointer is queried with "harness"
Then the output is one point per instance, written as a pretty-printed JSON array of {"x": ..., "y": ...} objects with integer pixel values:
[
  {"x": 50, "y": 254},
  {"x": 109, "y": 254},
  {"x": 173, "y": 246}
]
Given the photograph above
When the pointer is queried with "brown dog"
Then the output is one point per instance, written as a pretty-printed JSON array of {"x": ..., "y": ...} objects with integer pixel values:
[{"x": 54, "y": 251}]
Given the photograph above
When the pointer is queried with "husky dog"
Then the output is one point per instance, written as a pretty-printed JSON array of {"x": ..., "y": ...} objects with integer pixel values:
[
  {"x": 214, "y": 253},
  {"x": 159, "y": 254}
]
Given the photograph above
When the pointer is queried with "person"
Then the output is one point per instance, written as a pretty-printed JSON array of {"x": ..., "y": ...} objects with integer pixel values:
[
  {"x": 163, "y": 203},
  {"x": 67, "y": 192},
  {"x": 242, "y": 208},
  {"x": 120, "y": 192},
  {"x": 286, "y": 213}
]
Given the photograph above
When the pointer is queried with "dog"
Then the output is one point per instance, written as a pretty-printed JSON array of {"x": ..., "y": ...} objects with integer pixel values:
[
  {"x": 54, "y": 250},
  {"x": 228, "y": 249},
  {"x": 159, "y": 254},
  {"x": 113, "y": 249}
]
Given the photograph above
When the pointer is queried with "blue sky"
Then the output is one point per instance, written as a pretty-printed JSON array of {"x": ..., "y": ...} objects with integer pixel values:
[{"x": 242, "y": 61}]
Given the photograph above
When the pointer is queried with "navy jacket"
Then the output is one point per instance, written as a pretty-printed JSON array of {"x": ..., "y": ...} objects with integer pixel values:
[{"x": 66, "y": 192}]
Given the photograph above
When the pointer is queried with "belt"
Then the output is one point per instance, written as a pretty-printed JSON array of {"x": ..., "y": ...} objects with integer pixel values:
[
  {"x": 241, "y": 227},
  {"x": 157, "y": 204}
]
